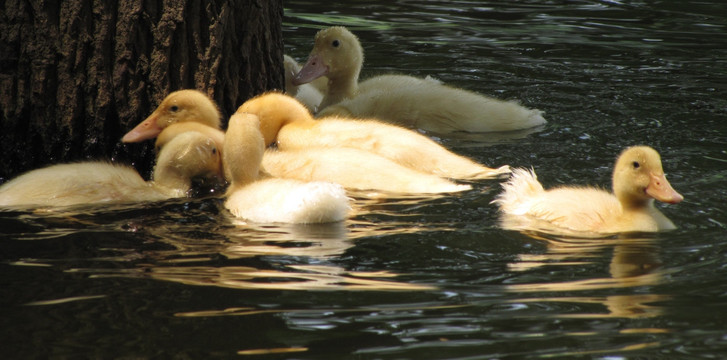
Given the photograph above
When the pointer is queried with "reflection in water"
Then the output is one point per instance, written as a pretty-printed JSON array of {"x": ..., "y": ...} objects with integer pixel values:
[
  {"x": 64, "y": 300},
  {"x": 246, "y": 311},
  {"x": 319, "y": 241},
  {"x": 272, "y": 351},
  {"x": 484, "y": 139},
  {"x": 634, "y": 263},
  {"x": 189, "y": 247},
  {"x": 295, "y": 277},
  {"x": 242, "y": 239}
]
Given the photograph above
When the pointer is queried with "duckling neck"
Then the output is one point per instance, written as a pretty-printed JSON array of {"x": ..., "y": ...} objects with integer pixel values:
[
  {"x": 243, "y": 152},
  {"x": 630, "y": 204},
  {"x": 243, "y": 164},
  {"x": 339, "y": 89},
  {"x": 646, "y": 216},
  {"x": 271, "y": 127},
  {"x": 244, "y": 175}
]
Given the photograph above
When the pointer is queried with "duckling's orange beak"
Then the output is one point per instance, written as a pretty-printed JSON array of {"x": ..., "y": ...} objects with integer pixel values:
[
  {"x": 147, "y": 129},
  {"x": 313, "y": 69},
  {"x": 660, "y": 189}
]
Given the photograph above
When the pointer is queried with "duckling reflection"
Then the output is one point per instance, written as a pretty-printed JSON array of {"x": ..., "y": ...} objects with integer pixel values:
[
  {"x": 290, "y": 277},
  {"x": 323, "y": 241},
  {"x": 313, "y": 240},
  {"x": 194, "y": 246},
  {"x": 203, "y": 270},
  {"x": 192, "y": 233},
  {"x": 634, "y": 262},
  {"x": 315, "y": 243}
]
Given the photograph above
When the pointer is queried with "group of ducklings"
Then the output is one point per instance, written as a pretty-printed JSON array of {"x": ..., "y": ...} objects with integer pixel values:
[{"x": 360, "y": 140}]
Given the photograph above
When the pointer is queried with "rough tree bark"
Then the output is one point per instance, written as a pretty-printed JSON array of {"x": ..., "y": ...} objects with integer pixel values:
[{"x": 76, "y": 75}]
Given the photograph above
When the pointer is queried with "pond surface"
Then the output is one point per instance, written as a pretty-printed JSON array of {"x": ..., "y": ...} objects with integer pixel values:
[{"x": 426, "y": 278}]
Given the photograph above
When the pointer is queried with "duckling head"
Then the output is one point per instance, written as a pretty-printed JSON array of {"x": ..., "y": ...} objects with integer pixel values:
[
  {"x": 174, "y": 130},
  {"x": 638, "y": 178},
  {"x": 179, "y": 106},
  {"x": 190, "y": 154},
  {"x": 337, "y": 54}
]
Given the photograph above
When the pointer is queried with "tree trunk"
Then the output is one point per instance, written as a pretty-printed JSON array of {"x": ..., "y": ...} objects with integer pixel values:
[{"x": 76, "y": 75}]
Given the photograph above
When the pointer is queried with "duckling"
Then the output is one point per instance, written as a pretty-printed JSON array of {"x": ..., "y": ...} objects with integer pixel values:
[
  {"x": 179, "y": 106},
  {"x": 286, "y": 122},
  {"x": 355, "y": 169},
  {"x": 638, "y": 180},
  {"x": 189, "y": 155},
  {"x": 412, "y": 102},
  {"x": 352, "y": 168},
  {"x": 172, "y": 131},
  {"x": 260, "y": 199}
]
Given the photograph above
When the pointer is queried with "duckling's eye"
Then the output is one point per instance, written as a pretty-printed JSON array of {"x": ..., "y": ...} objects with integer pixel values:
[
  {"x": 214, "y": 151},
  {"x": 635, "y": 164},
  {"x": 174, "y": 108},
  {"x": 336, "y": 43}
]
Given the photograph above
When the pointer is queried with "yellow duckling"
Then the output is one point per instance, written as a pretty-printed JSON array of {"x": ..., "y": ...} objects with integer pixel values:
[
  {"x": 272, "y": 199},
  {"x": 352, "y": 168},
  {"x": 189, "y": 155},
  {"x": 638, "y": 179},
  {"x": 172, "y": 131},
  {"x": 179, "y": 106},
  {"x": 423, "y": 103},
  {"x": 288, "y": 123}
]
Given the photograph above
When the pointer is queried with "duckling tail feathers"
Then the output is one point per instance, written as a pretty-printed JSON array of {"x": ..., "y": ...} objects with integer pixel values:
[{"x": 522, "y": 186}]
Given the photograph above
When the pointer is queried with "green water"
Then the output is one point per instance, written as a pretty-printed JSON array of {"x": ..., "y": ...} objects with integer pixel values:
[{"x": 426, "y": 278}]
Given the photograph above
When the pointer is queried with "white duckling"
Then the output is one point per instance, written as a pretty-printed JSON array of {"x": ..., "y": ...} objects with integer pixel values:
[
  {"x": 638, "y": 179},
  {"x": 309, "y": 94},
  {"x": 187, "y": 156},
  {"x": 412, "y": 102},
  {"x": 352, "y": 168},
  {"x": 179, "y": 106},
  {"x": 288, "y": 123},
  {"x": 272, "y": 199}
]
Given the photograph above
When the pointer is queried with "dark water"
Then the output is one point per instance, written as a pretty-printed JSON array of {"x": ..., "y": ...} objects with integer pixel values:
[{"x": 426, "y": 278}]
